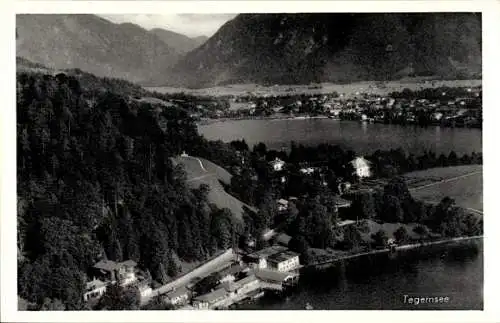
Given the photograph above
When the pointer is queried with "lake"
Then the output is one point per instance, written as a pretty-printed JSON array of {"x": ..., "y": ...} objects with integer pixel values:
[
  {"x": 361, "y": 137},
  {"x": 380, "y": 282}
]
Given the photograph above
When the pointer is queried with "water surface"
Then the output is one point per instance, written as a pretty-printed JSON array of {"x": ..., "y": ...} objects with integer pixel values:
[
  {"x": 379, "y": 282},
  {"x": 361, "y": 137}
]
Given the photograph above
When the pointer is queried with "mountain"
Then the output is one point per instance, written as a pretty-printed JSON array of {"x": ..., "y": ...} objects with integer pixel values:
[
  {"x": 181, "y": 43},
  {"x": 338, "y": 47},
  {"x": 93, "y": 44}
]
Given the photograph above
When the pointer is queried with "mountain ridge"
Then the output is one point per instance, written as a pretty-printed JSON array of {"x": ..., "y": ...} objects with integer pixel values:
[
  {"x": 340, "y": 47},
  {"x": 99, "y": 46}
]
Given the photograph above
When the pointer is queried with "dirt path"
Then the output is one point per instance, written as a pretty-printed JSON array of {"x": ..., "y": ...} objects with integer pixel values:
[{"x": 199, "y": 177}]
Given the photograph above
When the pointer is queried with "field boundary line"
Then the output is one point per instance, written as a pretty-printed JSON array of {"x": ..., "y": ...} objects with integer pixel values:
[{"x": 445, "y": 180}]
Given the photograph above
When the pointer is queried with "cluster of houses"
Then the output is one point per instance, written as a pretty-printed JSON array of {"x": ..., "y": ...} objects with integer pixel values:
[
  {"x": 360, "y": 164},
  {"x": 108, "y": 272},
  {"x": 362, "y": 105},
  {"x": 273, "y": 268}
]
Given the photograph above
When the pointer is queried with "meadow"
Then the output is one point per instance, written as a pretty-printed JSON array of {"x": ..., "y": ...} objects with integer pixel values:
[
  {"x": 464, "y": 184},
  {"x": 348, "y": 90}
]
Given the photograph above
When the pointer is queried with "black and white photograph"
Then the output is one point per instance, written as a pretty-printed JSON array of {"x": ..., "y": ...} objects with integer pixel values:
[{"x": 249, "y": 161}]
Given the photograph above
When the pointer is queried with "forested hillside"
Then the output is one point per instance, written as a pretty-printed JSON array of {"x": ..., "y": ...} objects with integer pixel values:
[
  {"x": 334, "y": 47},
  {"x": 95, "y": 180}
]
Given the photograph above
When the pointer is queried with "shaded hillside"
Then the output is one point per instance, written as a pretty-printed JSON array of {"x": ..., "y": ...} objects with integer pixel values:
[
  {"x": 181, "y": 43},
  {"x": 88, "y": 82},
  {"x": 95, "y": 180},
  {"x": 92, "y": 44},
  {"x": 201, "y": 171},
  {"x": 303, "y": 48}
]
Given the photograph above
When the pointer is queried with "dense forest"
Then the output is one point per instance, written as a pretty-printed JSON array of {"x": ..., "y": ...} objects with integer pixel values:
[{"x": 95, "y": 180}]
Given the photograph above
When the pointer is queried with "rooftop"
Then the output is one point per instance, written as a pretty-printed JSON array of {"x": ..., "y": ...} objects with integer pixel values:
[
  {"x": 96, "y": 283},
  {"x": 106, "y": 265},
  {"x": 229, "y": 286},
  {"x": 231, "y": 270},
  {"x": 265, "y": 253},
  {"x": 110, "y": 265},
  {"x": 210, "y": 297},
  {"x": 129, "y": 263},
  {"x": 283, "y": 238},
  {"x": 177, "y": 292},
  {"x": 282, "y": 256},
  {"x": 245, "y": 280},
  {"x": 271, "y": 275}
]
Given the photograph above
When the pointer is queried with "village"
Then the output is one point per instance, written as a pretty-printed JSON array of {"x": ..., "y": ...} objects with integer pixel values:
[
  {"x": 447, "y": 107},
  {"x": 239, "y": 277}
]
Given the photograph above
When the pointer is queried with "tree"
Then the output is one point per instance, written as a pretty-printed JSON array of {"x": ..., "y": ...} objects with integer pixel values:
[
  {"x": 380, "y": 238},
  {"x": 452, "y": 158},
  {"x": 352, "y": 237},
  {"x": 391, "y": 209},
  {"x": 206, "y": 284},
  {"x": 119, "y": 298},
  {"x": 398, "y": 188},
  {"x": 401, "y": 235},
  {"x": 421, "y": 230},
  {"x": 299, "y": 244},
  {"x": 363, "y": 206},
  {"x": 52, "y": 305}
]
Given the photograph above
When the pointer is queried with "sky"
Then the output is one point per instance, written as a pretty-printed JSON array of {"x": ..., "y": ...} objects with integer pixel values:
[{"x": 191, "y": 25}]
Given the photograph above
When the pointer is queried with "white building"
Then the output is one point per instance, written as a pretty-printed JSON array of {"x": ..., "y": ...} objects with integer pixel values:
[
  {"x": 284, "y": 261},
  {"x": 362, "y": 167},
  {"x": 94, "y": 289},
  {"x": 277, "y": 164},
  {"x": 282, "y": 205},
  {"x": 178, "y": 296},
  {"x": 276, "y": 258},
  {"x": 144, "y": 290},
  {"x": 307, "y": 171},
  {"x": 122, "y": 273}
]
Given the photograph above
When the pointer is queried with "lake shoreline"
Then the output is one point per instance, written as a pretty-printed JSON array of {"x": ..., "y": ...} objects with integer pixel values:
[
  {"x": 387, "y": 250},
  {"x": 205, "y": 122}
]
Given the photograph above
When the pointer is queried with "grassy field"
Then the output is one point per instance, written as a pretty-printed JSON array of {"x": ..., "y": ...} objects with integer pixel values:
[
  {"x": 201, "y": 171},
  {"x": 462, "y": 183},
  {"x": 347, "y": 89}
]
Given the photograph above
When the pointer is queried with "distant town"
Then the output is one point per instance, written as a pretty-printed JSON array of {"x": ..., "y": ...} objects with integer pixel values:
[{"x": 443, "y": 106}]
